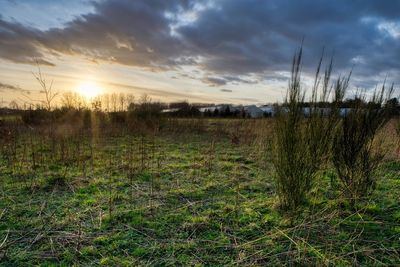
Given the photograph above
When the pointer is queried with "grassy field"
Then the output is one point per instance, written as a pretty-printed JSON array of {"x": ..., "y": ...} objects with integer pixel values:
[{"x": 194, "y": 199}]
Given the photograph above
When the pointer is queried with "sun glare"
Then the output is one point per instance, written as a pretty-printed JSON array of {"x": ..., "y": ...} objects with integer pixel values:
[{"x": 89, "y": 89}]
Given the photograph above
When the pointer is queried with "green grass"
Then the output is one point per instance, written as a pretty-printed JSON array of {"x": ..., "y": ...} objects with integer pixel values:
[
  {"x": 186, "y": 207},
  {"x": 10, "y": 118}
]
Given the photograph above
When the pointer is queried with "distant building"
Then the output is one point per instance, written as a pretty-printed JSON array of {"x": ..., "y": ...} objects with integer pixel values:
[
  {"x": 210, "y": 109},
  {"x": 221, "y": 108},
  {"x": 344, "y": 111},
  {"x": 170, "y": 110},
  {"x": 253, "y": 111},
  {"x": 269, "y": 111},
  {"x": 323, "y": 111}
]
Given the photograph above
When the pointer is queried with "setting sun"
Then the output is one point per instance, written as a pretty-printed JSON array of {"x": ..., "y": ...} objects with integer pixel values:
[{"x": 89, "y": 89}]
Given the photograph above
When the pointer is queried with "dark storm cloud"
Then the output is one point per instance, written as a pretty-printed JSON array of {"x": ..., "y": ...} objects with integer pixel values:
[
  {"x": 254, "y": 36},
  {"x": 20, "y": 43},
  {"x": 133, "y": 33},
  {"x": 127, "y": 32},
  {"x": 227, "y": 39}
]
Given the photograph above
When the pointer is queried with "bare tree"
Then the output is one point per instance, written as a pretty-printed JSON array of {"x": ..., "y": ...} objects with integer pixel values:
[
  {"x": 113, "y": 99},
  {"x": 96, "y": 103},
  {"x": 106, "y": 101},
  {"x": 68, "y": 100},
  {"x": 47, "y": 89},
  {"x": 72, "y": 100},
  {"x": 145, "y": 99},
  {"x": 122, "y": 100},
  {"x": 130, "y": 101}
]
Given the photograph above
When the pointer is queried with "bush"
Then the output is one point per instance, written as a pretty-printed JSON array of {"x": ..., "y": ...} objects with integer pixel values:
[
  {"x": 118, "y": 117},
  {"x": 145, "y": 117},
  {"x": 354, "y": 156},
  {"x": 302, "y": 142},
  {"x": 36, "y": 116}
]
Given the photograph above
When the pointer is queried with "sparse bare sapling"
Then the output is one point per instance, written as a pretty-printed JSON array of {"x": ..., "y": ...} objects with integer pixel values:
[
  {"x": 398, "y": 135},
  {"x": 397, "y": 125},
  {"x": 130, "y": 161},
  {"x": 110, "y": 187},
  {"x": 210, "y": 157},
  {"x": 49, "y": 97},
  {"x": 47, "y": 89}
]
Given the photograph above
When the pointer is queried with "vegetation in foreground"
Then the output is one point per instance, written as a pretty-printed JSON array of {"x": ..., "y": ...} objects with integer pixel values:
[{"x": 110, "y": 197}]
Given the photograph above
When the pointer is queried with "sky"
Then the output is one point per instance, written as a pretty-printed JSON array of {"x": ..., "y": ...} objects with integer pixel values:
[{"x": 215, "y": 51}]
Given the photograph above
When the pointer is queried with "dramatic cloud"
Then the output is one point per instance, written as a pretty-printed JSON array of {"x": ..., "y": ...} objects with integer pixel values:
[
  {"x": 218, "y": 81},
  {"x": 229, "y": 41},
  {"x": 253, "y": 36},
  {"x": 20, "y": 43},
  {"x": 132, "y": 33}
]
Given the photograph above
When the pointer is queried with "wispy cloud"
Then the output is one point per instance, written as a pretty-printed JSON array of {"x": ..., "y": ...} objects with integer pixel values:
[
  {"x": 160, "y": 93},
  {"x": 9, "y": 87}
]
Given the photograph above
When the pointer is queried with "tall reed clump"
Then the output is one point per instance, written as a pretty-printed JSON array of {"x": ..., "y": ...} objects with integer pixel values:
[
  {"x": 303, "y": 136},
  {"x": 354, "y": 156}
]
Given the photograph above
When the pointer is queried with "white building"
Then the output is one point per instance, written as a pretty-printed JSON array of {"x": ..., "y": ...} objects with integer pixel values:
[
  {"x": 253, "y": 111},
  {"x": 268, "y": 110}
]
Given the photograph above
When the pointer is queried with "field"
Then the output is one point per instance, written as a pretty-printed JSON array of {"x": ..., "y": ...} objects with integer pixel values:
[{"x": 197, "y": 193}]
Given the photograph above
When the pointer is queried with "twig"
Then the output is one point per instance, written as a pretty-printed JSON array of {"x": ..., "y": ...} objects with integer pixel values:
[{"x": 5, "y": 239}]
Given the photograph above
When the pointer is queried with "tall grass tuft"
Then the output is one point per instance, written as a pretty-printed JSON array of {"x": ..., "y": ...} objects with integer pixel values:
[
  {"x": 354, "y": 156},
  {"x": 303, "y": 136}
]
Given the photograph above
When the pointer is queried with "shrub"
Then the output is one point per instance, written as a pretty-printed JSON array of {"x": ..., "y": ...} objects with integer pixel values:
[
  {"x": 36, "y": 116},
  {"x": 117, "y": 117},
  {"x": 87, "y": 119},
  {"x": 55, "y": 180},
  {"x": 354, "y": 156},
  {"x": 145, "y": 116},
  {"x": 302, "y": 142}
]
